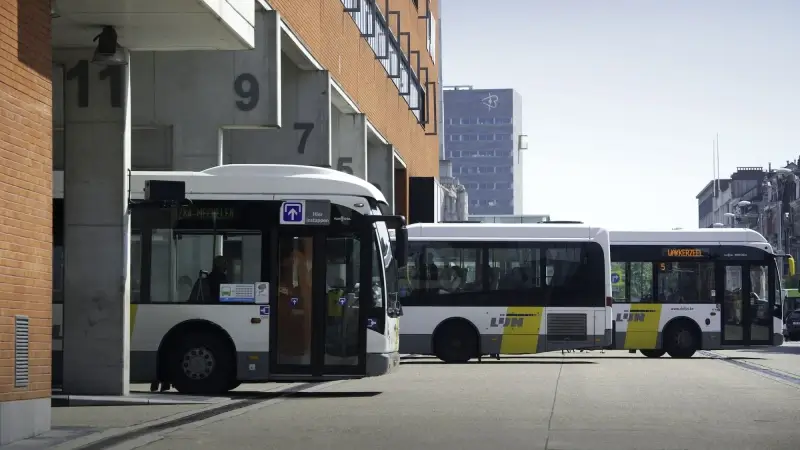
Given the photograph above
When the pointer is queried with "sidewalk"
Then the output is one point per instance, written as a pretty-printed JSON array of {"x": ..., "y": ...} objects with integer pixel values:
[{"x": 78, "y": 421}]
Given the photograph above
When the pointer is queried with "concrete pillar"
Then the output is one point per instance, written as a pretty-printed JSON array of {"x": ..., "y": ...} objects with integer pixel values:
[
  {"x": 380, "y": 162},
  {"x": 97, "y": 120},
  {"x": 349, "y": 143},
  {"x": 198, "y": 94},
  {"x": 305, "y": 134}
]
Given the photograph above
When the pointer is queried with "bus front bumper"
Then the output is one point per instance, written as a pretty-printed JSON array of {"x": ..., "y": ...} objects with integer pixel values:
[{"x": 382, "y": 363}]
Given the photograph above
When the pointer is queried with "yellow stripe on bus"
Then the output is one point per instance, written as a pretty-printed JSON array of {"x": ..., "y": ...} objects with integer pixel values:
[
  {"x": 521, "y": 329},
  {"x": 643, "y": 322}
]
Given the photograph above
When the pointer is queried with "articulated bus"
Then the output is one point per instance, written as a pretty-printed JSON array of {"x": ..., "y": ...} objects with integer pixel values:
[
  {"x": 475, "y": 289},
  {"x": 263, "y": 273},
  {"x": 677, "y": 292}
]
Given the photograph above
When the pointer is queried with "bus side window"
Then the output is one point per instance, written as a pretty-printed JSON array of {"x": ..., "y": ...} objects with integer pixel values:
[
  {"x": 619, "y": 291},
  {"x": 641, "y": 284}
]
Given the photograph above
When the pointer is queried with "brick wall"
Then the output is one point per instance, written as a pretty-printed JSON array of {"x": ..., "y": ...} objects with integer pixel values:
[
  {"x": 334, "y": 40},
  {"x": 25, "y": 190}
]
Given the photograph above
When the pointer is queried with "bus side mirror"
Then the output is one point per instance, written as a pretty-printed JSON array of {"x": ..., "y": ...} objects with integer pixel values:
[
  {"x": 398, "y": 224},
  {"x": 401, "y": 247}
]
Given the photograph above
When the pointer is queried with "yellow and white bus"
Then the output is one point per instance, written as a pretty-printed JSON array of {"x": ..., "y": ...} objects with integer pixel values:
[
  {"x": 265, "y": 272},
  {"x": 679, "y": 291},
  {"x": 474, "y": 289}
]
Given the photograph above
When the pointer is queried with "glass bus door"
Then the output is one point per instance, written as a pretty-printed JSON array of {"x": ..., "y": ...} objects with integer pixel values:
[
  {"x": 746, "y": 303},
  {"x": 316, "y": 326}
]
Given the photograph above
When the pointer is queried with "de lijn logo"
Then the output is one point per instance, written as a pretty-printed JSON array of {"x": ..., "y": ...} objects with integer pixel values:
[{"x": 507, "y": 321}]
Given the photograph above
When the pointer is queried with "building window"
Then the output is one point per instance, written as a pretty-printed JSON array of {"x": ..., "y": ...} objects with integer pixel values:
[
  {"x": 454, "y": 137},
  {"x": 502, "y": 121},
  {"x": 486, "y": 121},
  {"x": 502, "y": 137},
  {"x": 432, "y": 37},
  {"x": 485, "y": 137},
  {"x": 469, "y": 137},
  {"x": 467, "y": 121}
]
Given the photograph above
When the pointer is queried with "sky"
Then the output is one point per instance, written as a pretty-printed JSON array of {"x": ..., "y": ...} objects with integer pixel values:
[{"x": 622, "y": 99}]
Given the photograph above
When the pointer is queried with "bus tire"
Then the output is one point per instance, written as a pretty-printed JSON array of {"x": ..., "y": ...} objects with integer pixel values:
[
  {"x": 456, "y": 342},
  {"x": 201, "y": 364},
  {"x": 653, "y": 353},
  {"x": 681, "y": 340}
]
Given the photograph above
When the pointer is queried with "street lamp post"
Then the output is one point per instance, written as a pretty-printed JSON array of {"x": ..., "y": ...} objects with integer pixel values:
[
  {"x": 732, "y": 218},
  {"x": 741, "y": 206}
]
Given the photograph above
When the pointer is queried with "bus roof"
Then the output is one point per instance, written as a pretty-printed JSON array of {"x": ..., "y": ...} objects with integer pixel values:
[
  {"x": 709, "y": 236},
  {"x": 253, "y": 180},
  {"x": 503, "y": 231}
]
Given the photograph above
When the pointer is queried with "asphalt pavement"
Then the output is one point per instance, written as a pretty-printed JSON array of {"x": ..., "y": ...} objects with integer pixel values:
[{"x": 615, "y": 401}]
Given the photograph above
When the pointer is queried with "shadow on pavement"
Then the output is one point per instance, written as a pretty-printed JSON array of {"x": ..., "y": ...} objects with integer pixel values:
[
  {"x": 501, "y": 361},
  {"x": 302, "y": 394}
]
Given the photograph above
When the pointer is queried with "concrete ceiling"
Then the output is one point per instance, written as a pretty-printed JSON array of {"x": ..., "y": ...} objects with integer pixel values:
[{"x": 158, "y": 24}]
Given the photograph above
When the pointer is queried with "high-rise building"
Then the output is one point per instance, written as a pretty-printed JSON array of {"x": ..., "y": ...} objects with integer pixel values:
[{"x": 482, "y": 138}]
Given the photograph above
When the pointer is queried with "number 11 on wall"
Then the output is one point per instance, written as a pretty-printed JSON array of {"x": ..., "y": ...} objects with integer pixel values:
[{"x": 80, "y": 74}]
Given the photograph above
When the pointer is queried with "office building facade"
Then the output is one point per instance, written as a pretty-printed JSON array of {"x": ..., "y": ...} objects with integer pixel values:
[{"x": 482, "y": 133}]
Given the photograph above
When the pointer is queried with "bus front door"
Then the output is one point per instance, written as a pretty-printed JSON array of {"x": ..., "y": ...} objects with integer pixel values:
[
  {"x": 746, "y": 304},
  {"x": 316, "y": 328}
]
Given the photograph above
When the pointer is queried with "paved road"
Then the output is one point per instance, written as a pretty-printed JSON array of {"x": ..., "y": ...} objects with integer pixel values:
[{"x": 613, "y": 401}]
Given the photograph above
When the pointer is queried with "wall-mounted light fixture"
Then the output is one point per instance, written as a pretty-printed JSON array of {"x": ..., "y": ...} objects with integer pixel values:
[
  {"x": 54, "y": 12},
  {"x": 108, "y": 52}
]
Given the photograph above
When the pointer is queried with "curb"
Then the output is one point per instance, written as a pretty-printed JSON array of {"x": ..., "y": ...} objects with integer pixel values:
[
  {"x": 61, "y": 401},
  {"x": 97, "y": 437}
]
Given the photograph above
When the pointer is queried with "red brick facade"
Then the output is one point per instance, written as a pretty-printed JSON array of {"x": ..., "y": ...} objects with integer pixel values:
[
  {"x": 25, "y": 190},
  {"x": 335, "y": 41}
]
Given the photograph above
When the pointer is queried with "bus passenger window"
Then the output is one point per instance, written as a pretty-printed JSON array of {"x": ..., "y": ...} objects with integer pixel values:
[
  {"x": 564, "y": 266},
  {"x": 686, "y": 282},
  {"x": 180, "y": 260},
  {"x": 408, "y": 277},
  {"x": 641, "y": 284},
  {"x": 450, "y": 269},
  {"x": 618, "y": 289},
  {"x": 514, "y": 268}
]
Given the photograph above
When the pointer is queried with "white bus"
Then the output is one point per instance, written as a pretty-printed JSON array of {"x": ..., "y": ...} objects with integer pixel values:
[
  {"x": 474, "y": 289},
  {"x": 680, "y": 291},
  {"x": 264, "y": 273}
]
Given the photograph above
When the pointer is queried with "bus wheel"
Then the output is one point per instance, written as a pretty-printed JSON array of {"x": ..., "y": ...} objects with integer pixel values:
[
  {"x": 456, "y": 342},
  {"x": 654, "y": 353},
  {"x": 680, "y": 341},
  {"x": 201, "y": 364}
]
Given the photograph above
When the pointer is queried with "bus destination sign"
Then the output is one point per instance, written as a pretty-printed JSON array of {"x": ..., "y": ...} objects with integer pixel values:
[
  {"x": 686, "y": 252},
  {"x": 191, "y": 213}
]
